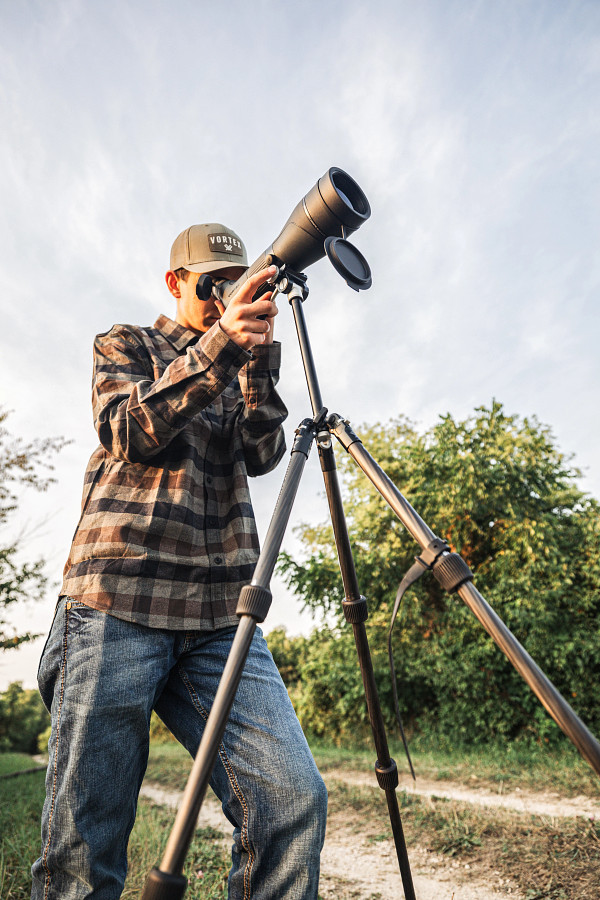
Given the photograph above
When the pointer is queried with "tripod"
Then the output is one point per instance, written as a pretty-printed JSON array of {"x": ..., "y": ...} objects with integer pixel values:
[{"x": 167, "y": 882}]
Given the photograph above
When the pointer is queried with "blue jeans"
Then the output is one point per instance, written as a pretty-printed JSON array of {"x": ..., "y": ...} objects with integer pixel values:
[{"x": 101, "y": 677}]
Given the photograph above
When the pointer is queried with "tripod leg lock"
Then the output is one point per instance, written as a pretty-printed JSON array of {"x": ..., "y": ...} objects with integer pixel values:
[
  {"x": 304, "y": 436},
  {"x": 355, "y": 611},
  {"x": 387, "y": 777},
  {"x": 451, "y": 571},
  {"x": 254, "y": 601}
]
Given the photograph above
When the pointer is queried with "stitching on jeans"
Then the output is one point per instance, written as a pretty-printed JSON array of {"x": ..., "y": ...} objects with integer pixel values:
[
  {"x": 245, "y": 838},
  {"x": 55, "y": 775}
]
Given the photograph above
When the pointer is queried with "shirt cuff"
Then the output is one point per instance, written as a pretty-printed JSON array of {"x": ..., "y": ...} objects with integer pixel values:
[
  {"x": 266, "y": 356},
  {"x": 217, "y": 347}
]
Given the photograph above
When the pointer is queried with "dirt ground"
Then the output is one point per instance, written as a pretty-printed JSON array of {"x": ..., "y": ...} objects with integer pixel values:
[
  {"x": 532, "y": 802},
  {"x": 355, "y": 868}
]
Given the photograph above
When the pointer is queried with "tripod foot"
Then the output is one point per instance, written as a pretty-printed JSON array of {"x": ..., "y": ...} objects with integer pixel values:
[{"x": 163, "y": 886}]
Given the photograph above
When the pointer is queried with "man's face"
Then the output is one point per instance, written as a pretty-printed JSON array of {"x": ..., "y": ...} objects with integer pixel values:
[{"x": 195, "y": 314}]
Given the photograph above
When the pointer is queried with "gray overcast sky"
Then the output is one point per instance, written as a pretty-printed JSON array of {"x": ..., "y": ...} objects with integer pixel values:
[{"x": 472, "y": 126}]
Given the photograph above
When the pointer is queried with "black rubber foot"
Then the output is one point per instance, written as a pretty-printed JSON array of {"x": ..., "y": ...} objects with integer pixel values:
[{"x": 162, "y": 886}]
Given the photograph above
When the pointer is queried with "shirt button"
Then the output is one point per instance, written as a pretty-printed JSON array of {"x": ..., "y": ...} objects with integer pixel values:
[
  {"x": 218, "y": 560},
  {"x": 208, "y": 479}
]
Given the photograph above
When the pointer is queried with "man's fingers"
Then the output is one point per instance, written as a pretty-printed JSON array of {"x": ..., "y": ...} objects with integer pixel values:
[
  {"x": 263, "y": 307},
  {"x": 263, "y": 275},
  {"x": 250, "y": 287},
  {"x": 241, "y": 322},
  {"x": 256, "y": 326}
]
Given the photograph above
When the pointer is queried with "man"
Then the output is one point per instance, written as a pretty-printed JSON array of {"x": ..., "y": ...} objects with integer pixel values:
[{"x": 184, "y": 411}]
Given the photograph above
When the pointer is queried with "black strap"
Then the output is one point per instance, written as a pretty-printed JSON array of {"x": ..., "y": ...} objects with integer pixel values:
[{"x": 413, "y": 574}]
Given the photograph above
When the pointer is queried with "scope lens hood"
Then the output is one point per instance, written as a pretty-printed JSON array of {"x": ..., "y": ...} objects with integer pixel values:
[{"x": 348, "y": 201}]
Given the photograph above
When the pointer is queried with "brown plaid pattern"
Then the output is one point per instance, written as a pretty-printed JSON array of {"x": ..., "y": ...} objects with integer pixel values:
[{"x": 167, "y": 536}]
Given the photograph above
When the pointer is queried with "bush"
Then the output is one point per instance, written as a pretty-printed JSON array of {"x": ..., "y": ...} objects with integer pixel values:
[
  {"x": 159, "y": 733},
  {"x": 23, "y": 717},
  {"x": 498, "y": 490}
]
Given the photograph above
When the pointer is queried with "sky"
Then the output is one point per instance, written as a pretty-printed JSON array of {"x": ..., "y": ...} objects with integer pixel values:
[{"x": 473, "y": 128}]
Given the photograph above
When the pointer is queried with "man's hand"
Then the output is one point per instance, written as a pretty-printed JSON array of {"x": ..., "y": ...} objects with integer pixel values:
[{"x": 239, "y": 321}]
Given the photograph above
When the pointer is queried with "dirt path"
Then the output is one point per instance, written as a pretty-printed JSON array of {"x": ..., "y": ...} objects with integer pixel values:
[
  {"x": 531, "y": 802},
  {"x": 352, "y": 868}
]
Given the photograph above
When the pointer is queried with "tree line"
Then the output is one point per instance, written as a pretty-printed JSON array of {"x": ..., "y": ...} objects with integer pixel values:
[
  {"x": 497, "y": 488},
  {"x": 499, "y": 491}
]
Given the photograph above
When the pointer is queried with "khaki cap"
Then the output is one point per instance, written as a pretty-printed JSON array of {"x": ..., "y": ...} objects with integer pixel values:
[{"x": 208, "y": 248}]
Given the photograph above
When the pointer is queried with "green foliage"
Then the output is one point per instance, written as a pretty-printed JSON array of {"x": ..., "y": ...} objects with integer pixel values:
[
  {"x": 20, "y": 463},
  {"x": 159, "y": 733},
  {"x": 328, "y": 694},
  {"x": 290, "y": 657},
  {"x": 43, "y": 739},
  {"x": 500, "y": 492},
  {"x": 23, "y": 717}
]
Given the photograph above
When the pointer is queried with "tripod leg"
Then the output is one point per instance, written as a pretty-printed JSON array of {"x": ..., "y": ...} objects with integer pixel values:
[
  {"x": 444, "y": 568},
  {"x": 167, "y": 883},
  {"x": 355, "y": 610}
]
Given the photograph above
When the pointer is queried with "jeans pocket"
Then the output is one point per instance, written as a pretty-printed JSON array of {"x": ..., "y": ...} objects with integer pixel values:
[
  {"x": 82, "y": 620},
  {"x": 45, "y": 647}
]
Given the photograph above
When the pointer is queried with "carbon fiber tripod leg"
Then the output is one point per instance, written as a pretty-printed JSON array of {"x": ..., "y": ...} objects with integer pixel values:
[
  {"x": 355, "y": 611},
  {"x": 167, "y": 882}
]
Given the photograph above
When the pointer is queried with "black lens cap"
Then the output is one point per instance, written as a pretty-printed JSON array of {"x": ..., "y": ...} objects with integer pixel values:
[{"x": 349, "y": 263}]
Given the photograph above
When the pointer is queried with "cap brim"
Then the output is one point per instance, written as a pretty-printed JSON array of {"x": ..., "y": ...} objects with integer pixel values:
[{"x": 217, "y": 265}]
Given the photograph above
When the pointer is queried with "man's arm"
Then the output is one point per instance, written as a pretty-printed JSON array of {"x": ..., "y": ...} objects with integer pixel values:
[
  {"x": 136, "y": 416},
  {"x": 263, "y": 411},
  {"x": 259, "y": 414}
]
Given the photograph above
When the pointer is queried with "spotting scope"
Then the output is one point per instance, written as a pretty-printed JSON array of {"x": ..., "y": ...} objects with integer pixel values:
[{"x": 319, "y": 225}]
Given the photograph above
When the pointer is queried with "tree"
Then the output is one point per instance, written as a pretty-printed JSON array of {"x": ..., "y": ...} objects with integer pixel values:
[
  {"x": 23, "y": 717},
  {"x": 20, "y": 464},
  {"x": 500, "y": 492}
]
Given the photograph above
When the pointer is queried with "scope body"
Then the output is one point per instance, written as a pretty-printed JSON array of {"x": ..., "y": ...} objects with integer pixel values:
[{"x": 334, "y": 207}]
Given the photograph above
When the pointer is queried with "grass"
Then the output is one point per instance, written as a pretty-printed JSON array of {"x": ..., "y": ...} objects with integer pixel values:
[
  {"x": 499, "y": 767},
  {"x": 15, "y": 762},
  {"x": 549, "y": 859},
  {"x": 553, "y": 859},
  {"x": 169, "y": 765},
  {"x": 207, "y": 863},
  {"x": 496, "y": 767},
  {"x": 21, "y": 801}
]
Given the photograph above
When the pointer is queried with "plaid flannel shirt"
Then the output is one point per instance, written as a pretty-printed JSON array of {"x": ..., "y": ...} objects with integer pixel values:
[{"x": 167, "y": 536}]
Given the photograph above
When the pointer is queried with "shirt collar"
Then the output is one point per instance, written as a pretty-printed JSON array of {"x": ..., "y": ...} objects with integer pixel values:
[{"x": 176, "y": 334}]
